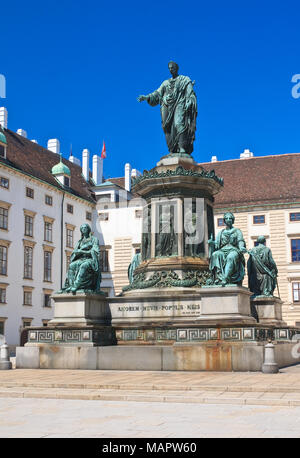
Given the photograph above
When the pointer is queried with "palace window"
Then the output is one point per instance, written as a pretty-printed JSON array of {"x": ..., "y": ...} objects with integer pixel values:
[
  {"x": 70, "y": 208},
  {"x": 30, "y": 193},
  {"x": 29, "y": 225},
  {"x": 48, "y": 231},
  {"x": 47, "y": 300},
  {"x": 3, "y": 260},
  {"x": 70, "y": 238},
  {"x": 2, "y": 151},
  {"x": 258, "y": 219},
  {"x": 104, "y": 266},
  {"x": 295, "y": 216},
  {"x": 48, "y": 200},
  {"x": 67, "y": 182},
  {"x": 27, "y": 322},
  {"x": 27, "y": 298},
  {"x": 3, "y": 218},
  {"x": 296, "y": 291},
  {"x": 47, "y": 265},
  {"x": 4, "y": 182},
  {"x": 2, "y": 296},
  {"x": 28, "y": 258},
  {"x": 2, "y": 323},
  {"x": 295, "y": 249},
  {"x": 88, "y": 216},
  {"x": 220, "y": 222}
]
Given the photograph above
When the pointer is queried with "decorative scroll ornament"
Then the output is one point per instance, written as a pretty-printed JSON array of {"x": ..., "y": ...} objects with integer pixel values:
[
  {"x": 169, "y": 279},
  {"x": 180, "y": 171}
]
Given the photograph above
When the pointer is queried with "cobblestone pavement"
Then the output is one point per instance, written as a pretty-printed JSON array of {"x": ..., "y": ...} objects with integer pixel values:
[{"x": 110, "y": 419}]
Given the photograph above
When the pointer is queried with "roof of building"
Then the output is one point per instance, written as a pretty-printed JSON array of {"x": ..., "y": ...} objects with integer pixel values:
[
  {"x": 258, "y": 180},
  {"x": 120, "y": 181},
  {"x": 34, "y": 160}
]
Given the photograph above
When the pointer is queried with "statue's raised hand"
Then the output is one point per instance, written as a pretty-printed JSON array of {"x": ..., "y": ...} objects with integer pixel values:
[{"x": 141, "y": 98}]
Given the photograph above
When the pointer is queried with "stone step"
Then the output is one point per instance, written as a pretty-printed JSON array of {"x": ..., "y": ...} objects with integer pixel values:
[
  {"x": 154, "y": 387},
  {"x": 184, "y": 396}
]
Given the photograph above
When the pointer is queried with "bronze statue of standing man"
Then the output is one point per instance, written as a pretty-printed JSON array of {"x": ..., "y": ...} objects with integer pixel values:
[{"x": 178, "y": 107}]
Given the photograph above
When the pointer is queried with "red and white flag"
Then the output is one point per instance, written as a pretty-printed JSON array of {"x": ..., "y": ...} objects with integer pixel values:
[{"x": 103, "y": 153}]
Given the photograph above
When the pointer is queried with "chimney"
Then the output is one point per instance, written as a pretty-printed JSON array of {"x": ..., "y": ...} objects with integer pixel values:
[
  {"x": 85, "y": 164},
  {"x": 214, "y": 159},
  {"x": 97, "y": 169},
  {"x": 135, "y": 173},
  {"x": 246, "y": 154},
  {"x": 53, "y": 145},
  {"x": 75, "y": 160},
  {"x": 22, "y": 132},
  {"x": 128, "y": 177},
  {"x": 3, "y": 117}
]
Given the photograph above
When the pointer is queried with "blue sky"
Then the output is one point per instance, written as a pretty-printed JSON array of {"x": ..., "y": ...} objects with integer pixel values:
[{"x": 74, "y": 70}]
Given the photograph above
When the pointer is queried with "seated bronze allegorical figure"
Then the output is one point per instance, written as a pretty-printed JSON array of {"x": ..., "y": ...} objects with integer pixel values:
[
  {"x": 227, "y": 262},
  {"x": 84, "y": 272}
]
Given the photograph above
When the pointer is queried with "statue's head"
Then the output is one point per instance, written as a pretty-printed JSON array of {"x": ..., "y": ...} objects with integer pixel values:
[
  {"x": 228, "y": 216},
  {"x": 261, "y": 239},
  {"x": 173, "y": 67},
  {"x": 85, "y": 229}
]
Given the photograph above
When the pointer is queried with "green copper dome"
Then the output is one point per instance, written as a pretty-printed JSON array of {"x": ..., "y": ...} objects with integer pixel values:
[
  {"x": 60, "y": 169},
  {"x": 3, "y": 138}
]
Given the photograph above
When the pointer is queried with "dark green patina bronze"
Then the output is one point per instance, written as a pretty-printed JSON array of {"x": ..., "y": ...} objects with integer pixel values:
[
  {"x": 178, "y": 108},
  {"x": 180, "y": 171},
  {"x": 164, "y": 279},
  {"x": 136, "y": 260},
  {"x": 84, "y": 273},
  {"x": 166, "y": 239},
  {"x": 262, "y": 269},
  {"x": 227, "y": 262}
]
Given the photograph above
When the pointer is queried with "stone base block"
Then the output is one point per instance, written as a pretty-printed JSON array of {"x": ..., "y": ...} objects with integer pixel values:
[
  {"x": 175, "y": 306},
  {"x": 229, "y": 304},
  {"x": 88, "y": 336},
  {"x": 269, "y": 310},
  {"x": 209, "y": 356},
  {"x": 80, "y": 309}
]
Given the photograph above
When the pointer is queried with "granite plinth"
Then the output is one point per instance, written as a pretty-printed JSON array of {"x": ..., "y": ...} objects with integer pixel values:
[
  {"x": 80, "y": 309},
  {"x": 80, "y": 319},
  {"x": 206, "y": 356},
  {"x": 269, "y": 310},
  {"x": 229, "y": 304},
  {"x": 171, "y": 308}
]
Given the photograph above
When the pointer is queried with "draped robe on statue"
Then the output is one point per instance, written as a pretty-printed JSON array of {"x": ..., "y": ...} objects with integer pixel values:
[
  {"x": 178, "y": 107},
  {"x": 262, "y": 271},
  {"x": 227, "y": 262},
  {"x": 84, "y": 270}
]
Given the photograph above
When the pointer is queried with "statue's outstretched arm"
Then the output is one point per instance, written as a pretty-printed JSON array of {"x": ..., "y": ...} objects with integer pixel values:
[{"x": 153, "y": 98}]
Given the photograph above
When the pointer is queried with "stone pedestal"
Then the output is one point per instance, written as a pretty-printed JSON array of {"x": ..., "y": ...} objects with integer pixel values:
[
  {"x": 80, "y": 310},
  {"x": 269, "y": 310},
  {"x": 226, "y": 305},
  {"x": 81, "y": 319}
]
